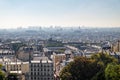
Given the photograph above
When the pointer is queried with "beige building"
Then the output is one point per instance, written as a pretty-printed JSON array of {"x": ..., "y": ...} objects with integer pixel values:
[
  {"x": 17, "y": 67},
  {"x": 57, "y": 58}
]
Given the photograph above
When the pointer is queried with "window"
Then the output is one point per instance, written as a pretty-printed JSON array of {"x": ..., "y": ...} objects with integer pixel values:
[
  {"x": 31, "y": 65},
  {"x": 44, "y": 78},
  {"x": 45, "y": 74},
  {"x": 44, "y": 65},
  {"x": 34, "y": 65},
  {"x": 38, "y": 78},
  {"x": 41, "y": 78},
  {"x": 51, "y": 69},
  {"x": 44, "y": 69},
  {"x": 41, "y": 74},
  {"x": 37, "y": 65},
  {"x": 38, "y": 73},
  {"x": 31, "y": 73},
  {"x": 34, "y": 73},
  {"x": 51, "y": 65},
  {"x": 48, "y": 74}
]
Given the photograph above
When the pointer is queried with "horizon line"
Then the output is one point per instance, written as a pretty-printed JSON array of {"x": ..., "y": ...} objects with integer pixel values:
[{"x": 57, "y": 26}]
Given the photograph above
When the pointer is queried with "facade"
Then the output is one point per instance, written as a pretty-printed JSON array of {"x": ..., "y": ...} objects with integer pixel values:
[
  {"x": 60, "y": 61},
  {"x": 6, "y": 52},
  {"x": 17, "y": 67},
  {"x": 57, "y": 58},
  {"x": 41, "y": 68},
  {"x": 116, "y": 46}
]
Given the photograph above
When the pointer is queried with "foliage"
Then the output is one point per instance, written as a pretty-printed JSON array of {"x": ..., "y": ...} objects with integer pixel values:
[
  {"x": 66, "y": 76},
  {"x": 0, "y": 66},
  {"x": 104, "y": 58},
  {"x": 112, "y": 72},
  {"x": 93, "y": 68},
  {"x": 2, "y": 75},
  {"x": 79, "y": 67},
  {"x": 100, "y": 75},
  {"x": 16, "y": 46}
]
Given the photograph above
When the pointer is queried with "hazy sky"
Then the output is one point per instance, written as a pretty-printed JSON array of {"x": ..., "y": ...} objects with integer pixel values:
[{"x": 100, "y": 13}]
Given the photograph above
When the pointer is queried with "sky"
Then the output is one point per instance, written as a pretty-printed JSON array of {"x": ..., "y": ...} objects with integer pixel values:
[{"x": 92, "y": 13}]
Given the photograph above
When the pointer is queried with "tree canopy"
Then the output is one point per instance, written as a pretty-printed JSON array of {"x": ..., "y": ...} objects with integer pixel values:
[
  {"x": 16, "y": 46},
  {"x": 94, "y": 68},
  {"x": 2, "y": 75},
  {"x": 112, "y": 72},
  {"x": 80, "y": 69}
]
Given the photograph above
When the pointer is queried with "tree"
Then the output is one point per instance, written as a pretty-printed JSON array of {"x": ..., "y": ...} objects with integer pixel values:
[
  {"x": 112, "y": 72},
  {"x": 2, "y": 75},
  {"x": 103, "y": 60},
  {"x": 83, "y": 68},
  {"x": 80, "y": 69},
  {"x": 66, "y": 76},
  {"x": 16, "y": 46}
]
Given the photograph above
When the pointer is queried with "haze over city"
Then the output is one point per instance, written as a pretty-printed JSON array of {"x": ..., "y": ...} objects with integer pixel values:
[
  {"x": 91, "y": 13},
  {"x": 59, "y": 40}
]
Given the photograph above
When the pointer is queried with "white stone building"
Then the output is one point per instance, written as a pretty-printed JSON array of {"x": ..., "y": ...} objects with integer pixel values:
[{"x": 41, "y": 68}]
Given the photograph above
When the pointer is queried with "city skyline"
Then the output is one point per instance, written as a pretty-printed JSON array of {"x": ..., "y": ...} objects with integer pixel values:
[{"x": 92, "y": 13}]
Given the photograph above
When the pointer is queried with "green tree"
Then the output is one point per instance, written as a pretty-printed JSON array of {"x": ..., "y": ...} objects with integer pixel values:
[
  {"x": 66, "y": 76},
  {"x": 103, "y": 60},
  {"x": 83, "y": 68},
  {"x": 80, "y": 69},
  {"x": 16, "y": 46},
  {"x": 2, "y": 74},
  {"x": 112, "y": 72}
]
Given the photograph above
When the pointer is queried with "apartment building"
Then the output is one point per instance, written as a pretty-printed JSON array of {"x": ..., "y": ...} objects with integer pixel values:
[{"x": 41, "y": 68}]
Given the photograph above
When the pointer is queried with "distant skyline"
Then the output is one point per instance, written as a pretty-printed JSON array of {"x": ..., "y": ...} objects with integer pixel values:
[{"x": 92, "y": 13}]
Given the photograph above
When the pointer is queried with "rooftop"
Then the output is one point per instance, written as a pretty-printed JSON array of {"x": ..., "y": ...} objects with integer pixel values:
[{"x": 41, "y": 59}]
